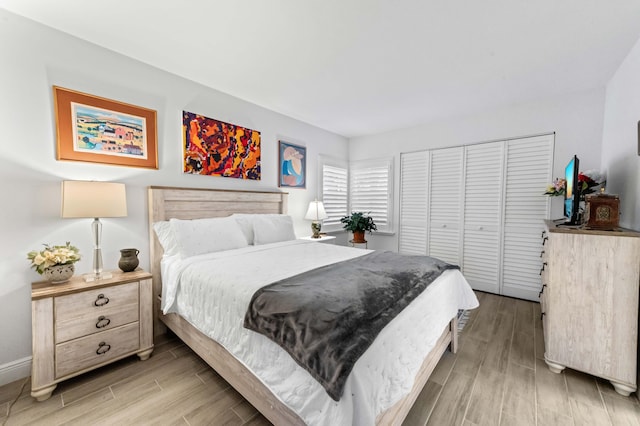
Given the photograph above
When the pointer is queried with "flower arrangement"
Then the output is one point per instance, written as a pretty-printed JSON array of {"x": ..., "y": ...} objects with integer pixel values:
[
  {"x": 588, "y": 180},
  {"x": 556, "y": 188},
  {"x": 53, "y": 255}
]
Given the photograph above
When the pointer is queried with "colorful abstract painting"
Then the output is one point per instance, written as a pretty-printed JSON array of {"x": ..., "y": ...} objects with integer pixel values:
[
  {"x": 215, "y": 148},
  {"x": 293, "y": 166}
]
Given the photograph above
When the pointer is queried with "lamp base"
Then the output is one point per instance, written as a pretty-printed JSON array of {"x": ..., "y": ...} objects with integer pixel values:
[
  {"x": 316, "y": 227},
  {"x": 88, "y": 278},
  {"x": 98, "y": 273}
]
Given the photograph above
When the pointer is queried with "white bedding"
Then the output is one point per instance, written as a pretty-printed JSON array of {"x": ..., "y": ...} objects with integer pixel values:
[{"x": 213, "y": 291}]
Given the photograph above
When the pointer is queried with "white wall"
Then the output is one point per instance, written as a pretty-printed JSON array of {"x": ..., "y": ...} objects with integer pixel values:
[
  {"x": 620, "y": 138},
  {"x": 576, "y": 118},
  {"x": 34, "y": 58}
]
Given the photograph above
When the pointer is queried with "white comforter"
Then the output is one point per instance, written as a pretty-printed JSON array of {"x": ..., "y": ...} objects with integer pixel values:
[{"x": 213, "y": 291}]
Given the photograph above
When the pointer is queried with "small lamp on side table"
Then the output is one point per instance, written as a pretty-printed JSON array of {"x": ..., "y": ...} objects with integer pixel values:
[
  {"x": 316, "y": 213},
  {"x": 82, "y": 199}
]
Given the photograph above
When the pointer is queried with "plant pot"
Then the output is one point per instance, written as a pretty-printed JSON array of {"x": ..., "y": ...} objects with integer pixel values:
[
  {"x": 358, "y": 237},
  {"x": 128, "y": 259},
  {"x": 57, "y": 274}
]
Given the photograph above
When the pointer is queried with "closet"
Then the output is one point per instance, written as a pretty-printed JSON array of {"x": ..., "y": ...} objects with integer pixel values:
[{"x": 481, "y": 207}]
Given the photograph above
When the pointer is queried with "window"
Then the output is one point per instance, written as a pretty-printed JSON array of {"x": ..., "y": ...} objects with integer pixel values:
[
  {"x": 371, "y": 190},
  {"x": 334, "y": 190}
]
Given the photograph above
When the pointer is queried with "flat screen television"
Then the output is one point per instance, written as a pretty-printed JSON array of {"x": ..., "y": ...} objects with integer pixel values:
[{"x": 572, "y": 192}]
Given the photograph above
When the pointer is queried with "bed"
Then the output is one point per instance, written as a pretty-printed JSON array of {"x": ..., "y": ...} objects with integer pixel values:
[{"x": 296, "y": 400}]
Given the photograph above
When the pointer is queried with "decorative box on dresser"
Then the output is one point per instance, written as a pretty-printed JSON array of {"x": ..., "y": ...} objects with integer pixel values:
[
  {"x": 589, "y": 302},
  {"x": 79, "y": 326}
]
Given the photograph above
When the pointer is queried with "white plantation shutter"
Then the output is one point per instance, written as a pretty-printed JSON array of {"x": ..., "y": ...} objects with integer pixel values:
[
  {"x": 529, "y": 170},
  {"x": 445, "y": 209},
  {"x": 370, "y": 184},
  {"x": 483, "y": 215},
  {"x": 334, "y": 190},
  {"x": 414, "y": 179}
]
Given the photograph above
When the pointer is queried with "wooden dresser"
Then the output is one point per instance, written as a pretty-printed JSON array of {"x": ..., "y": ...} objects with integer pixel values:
[
  {"x": 589, "y": 302},
  {"x": 79, "y": 326}
]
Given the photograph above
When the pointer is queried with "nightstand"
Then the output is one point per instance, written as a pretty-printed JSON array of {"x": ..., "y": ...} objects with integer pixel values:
[
  {"x": 357, "y": 244},
  {"x": 328, "y": 239},
  {"x": 79, "y": 326}
]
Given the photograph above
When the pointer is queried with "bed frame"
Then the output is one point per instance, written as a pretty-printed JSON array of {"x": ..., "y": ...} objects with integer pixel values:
[{"x": 184, "y": 203}]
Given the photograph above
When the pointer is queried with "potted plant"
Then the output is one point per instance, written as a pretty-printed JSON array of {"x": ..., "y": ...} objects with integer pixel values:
[{"x": 358, "y": 223}]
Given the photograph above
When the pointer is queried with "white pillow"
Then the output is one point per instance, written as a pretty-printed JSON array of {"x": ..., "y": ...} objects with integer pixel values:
[
  {"x": 245, "y": 220},
  {"x": 272, "y": 229},
  {"x": 166, "y": 237},
  {"x": 199, "y": 236}
]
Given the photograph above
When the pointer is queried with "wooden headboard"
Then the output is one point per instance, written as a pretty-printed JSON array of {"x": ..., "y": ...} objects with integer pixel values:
[{"x": 188, "y": 203}]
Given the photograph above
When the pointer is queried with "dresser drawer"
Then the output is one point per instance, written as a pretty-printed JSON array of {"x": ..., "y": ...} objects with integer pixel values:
[
  {"x": 81, "y": 314},
  {"x": 95, "y": 349}
]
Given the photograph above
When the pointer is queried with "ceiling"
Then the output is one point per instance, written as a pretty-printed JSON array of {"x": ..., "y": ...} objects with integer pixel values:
[{"x": 358, "y": 67}]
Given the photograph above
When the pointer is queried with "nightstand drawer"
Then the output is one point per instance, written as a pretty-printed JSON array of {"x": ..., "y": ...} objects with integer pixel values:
[
  {"x": 96, "y": 349},
  {"x": 96, "y": 320},
  {"x": 77, "y": 314}
]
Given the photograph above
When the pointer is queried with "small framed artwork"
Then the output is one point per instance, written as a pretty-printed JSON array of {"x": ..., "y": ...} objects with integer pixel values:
[
  {"x": 293, "y": 166},
  {"x": 214, "y": 148},
  {"x": 99, "y": 130}
]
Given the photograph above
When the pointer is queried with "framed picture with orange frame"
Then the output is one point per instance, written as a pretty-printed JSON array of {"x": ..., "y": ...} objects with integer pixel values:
[{"x": 99, "y": 130}]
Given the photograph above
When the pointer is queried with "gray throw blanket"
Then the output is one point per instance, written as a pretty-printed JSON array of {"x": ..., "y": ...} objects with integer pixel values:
[{"x": 327, "y": 317}]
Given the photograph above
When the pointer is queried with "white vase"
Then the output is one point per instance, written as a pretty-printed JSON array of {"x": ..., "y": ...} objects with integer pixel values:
[{"x": 57, "y": 274}]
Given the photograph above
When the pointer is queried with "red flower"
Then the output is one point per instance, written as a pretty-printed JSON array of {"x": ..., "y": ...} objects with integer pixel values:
[
  {"x": 586, "y": 179},
  {"x": 587, "y": 184}
]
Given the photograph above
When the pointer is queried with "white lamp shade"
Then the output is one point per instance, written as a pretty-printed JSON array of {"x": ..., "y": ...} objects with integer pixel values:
[
  {"x": 93, "y": 199},
  {"x": 316, "y": 211}
]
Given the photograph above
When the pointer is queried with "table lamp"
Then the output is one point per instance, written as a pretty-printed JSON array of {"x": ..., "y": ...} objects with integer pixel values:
[
  {"x": 94, "y": 199},
  {"x": 316, "y": 213}
]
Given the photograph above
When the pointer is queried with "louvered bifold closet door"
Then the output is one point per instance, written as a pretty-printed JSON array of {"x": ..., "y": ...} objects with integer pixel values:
[
  {"x": 529, "y": 170},
  {"x": 481, "y": 246},
  {"x": 414, "y": 179},
  {"x": 445, "y": 199}
]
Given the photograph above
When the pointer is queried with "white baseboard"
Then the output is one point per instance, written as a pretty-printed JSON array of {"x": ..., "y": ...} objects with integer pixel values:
[{"x": 15, "y": 370}]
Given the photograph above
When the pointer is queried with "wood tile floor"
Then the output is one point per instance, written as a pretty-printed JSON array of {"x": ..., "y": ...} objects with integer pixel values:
[{"x": 497, "y": 377}]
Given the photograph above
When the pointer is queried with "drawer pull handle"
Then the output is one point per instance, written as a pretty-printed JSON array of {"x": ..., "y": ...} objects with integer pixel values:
[
  {"x": 101, "y": 300},
  {"x": 544, "y": 240},
  {"x": 541, "y": 253},
  {"x": 543, "y": 232},
  {"x": 542, "y": 290},
  {"x": 103, "y": 321},
  {"x": 541, "y": 316},
  {"x": 103, "y": 348},
  {"x": 542, "y": 269}
]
